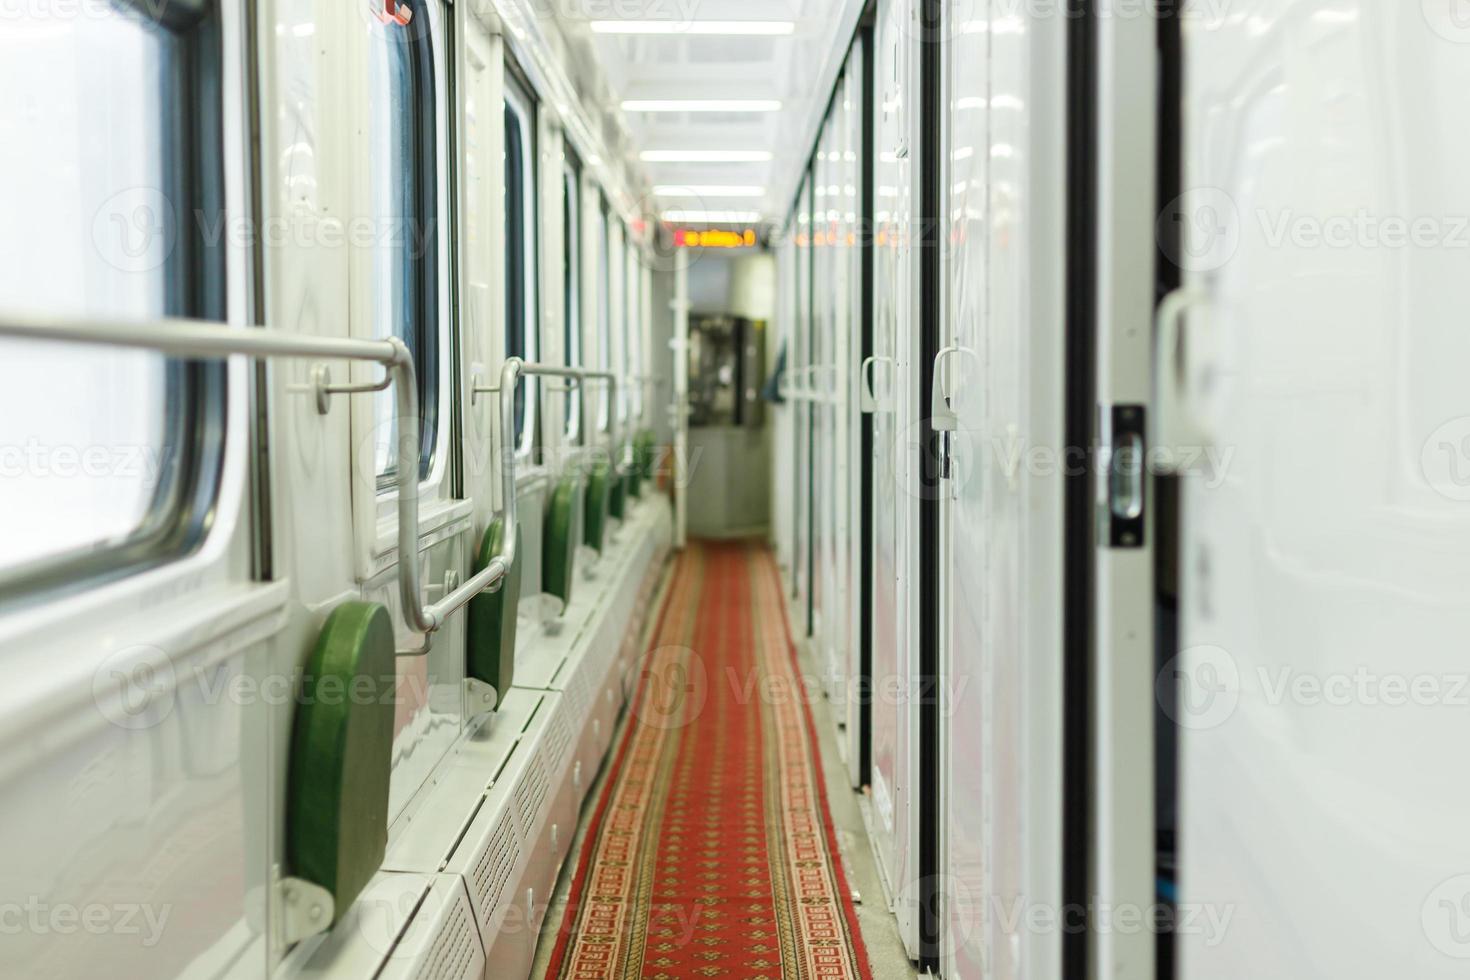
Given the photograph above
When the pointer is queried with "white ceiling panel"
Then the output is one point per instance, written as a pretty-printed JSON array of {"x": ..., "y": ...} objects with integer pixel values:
[{"x": 699, "y": 53}]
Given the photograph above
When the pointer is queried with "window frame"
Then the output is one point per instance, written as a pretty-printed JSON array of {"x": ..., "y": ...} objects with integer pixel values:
[
  {"x": 573, "y": 351},
  {"x": 520, "y": 101},
  {"x": 633, "y": 330},
  {"x": 428, "y": 341},
  {"x": 604, "y": 307},
  {"x": 619, "y": 327},
  {"x": 196, "y": 394}
]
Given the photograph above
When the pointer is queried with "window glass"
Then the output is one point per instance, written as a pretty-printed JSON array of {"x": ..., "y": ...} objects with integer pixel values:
[
  {"x": 572, "y": 289},
  {"x": 403, "y": 172},
  {"x": 617, "y": 332},
  {"x": 520, "y": 253},
  {"x": 634, "y": 342},
  {"x": 604, "y": 306},
  {"x": 103, "y": 170}
]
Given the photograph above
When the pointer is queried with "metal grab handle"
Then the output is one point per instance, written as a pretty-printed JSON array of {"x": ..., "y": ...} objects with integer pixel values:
[
  {"x": 867, "y": 402},
  {"x": 1173, "y": 420},
  {"x": 867, "y": 393},
  {"x": 611, "y": 380},
  {"x": 209, "y": 340},
  {"x": 576, "y": 378},
  {"x": 942, "y": 417}
]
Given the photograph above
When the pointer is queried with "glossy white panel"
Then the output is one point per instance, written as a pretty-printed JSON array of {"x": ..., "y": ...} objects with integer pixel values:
[
  {"x": 1327, "y": 546},
  {"x": 895, "y": 436}
]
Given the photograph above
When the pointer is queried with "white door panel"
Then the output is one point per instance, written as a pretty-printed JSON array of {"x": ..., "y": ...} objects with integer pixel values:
[
  {"x": 1327, "y": 551},
  {"x": 895, "y": 428},
  {"x": 1001, "y": 713}
]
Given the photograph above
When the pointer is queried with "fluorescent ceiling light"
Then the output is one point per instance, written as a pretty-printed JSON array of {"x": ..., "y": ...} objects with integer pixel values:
[
  {"x": 709, "y": 190},
  {"x": 705, "y": 156},
  {"x": 712, "y": 217},
  {"x": 701, "y": 105},
  {"x": 726, "y": 27}
]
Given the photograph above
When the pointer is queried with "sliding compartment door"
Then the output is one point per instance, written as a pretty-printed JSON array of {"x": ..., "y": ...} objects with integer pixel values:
[
  {"x": 895, "y": 433},
  {"x": 1321, "y": 669}
]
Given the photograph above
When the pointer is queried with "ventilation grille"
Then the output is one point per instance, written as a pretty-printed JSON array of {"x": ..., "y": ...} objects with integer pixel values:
[
  {"x": 577, "y": 694},
  {"x": 454, "y": 950},
  {"x": 558, "y": 739},
  {"x": 495, "y": 866},
  {"x": 531, "y": 791}
]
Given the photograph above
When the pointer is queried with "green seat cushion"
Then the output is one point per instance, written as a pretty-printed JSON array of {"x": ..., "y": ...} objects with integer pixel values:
[
  {"x": 645, "y": 453},
  {"x": 492, "y": 616},
  {"x": 617, "y": 496},
  {"x": 342, "y": 753},
  {"x": 596, "y": 504},
  {"x": 559, "y": 547},
  {"x": 634, "y": 478}
]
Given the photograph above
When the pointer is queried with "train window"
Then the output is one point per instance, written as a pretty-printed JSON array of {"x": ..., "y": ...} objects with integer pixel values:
[
  {"x": 403, "y": 162},
  {"x": 633, "y": 342},
  {"x": 572, "y": 286},
  {"x": 604, "y": 305},
  {"x": 520, "y": 251},
  {"x": 103, "y": 456},
  {"x": 617, "y": 334}
]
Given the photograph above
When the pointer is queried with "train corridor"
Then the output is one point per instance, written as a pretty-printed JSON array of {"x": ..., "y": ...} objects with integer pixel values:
[{"x": 718, "y": 845}]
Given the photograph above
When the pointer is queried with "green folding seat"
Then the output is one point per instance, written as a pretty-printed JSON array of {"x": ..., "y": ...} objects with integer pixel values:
[
  {"x": 646, "y": 454},
  {"x": 492, "y": 616},
  {"x": 617, "y": 497},
  {"x": 559, "y": 546},
  {"x": 342, "y": 755},
  {"x": 596, "y": 505}
]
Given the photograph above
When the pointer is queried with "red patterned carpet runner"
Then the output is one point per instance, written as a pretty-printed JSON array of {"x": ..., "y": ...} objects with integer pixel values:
[{"x": 711, "y": 852}]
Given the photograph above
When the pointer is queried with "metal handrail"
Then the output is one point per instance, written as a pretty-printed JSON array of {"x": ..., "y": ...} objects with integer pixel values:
[
  {"x": 611, "y": 380},
  {"x": 577, "y": 376},
  {"x": 202, "y": 339}
]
